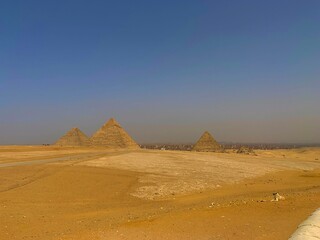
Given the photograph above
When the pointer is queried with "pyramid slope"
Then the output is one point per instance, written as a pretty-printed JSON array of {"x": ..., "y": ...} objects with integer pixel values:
[
  {"x": 112, "y": 135},
  {"x": 74, "y": 137},
  {"x": 207, "y": 143}
]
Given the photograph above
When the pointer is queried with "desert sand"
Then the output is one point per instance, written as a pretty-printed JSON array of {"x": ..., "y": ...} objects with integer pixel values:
[{"x": 93, "y": 193}]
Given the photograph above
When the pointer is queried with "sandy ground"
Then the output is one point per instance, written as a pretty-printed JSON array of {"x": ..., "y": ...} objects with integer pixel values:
[
  {"x": 171, "y": 172},
  {"x": 98, "y": 194},
  {"x": 30, "y": 153}
]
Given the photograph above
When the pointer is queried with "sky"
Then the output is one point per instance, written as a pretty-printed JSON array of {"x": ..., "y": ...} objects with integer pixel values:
[{"x": 247, "y": 71}]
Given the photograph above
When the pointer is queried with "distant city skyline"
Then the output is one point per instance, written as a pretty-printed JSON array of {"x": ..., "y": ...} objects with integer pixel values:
[{"x": 246, "y": 71}]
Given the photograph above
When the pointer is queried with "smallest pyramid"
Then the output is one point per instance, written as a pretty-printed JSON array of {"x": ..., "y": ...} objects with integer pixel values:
[
  {"x": 207, "y": 143},
  {"x": 74, "y": 137}
]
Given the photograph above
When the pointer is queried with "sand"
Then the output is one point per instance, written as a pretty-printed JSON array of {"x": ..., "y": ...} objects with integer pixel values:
[{"x": 98, "y": 194}]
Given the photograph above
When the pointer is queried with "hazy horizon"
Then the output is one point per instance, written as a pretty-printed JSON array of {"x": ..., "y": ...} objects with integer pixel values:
[{"x": 246, "y": 71}]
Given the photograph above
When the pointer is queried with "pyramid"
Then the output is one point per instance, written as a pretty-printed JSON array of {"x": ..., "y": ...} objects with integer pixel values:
[
  {"x": 112, "y": 135},
  {"x": 207, "y": 143},
  {"x": 75, "y": 137}
]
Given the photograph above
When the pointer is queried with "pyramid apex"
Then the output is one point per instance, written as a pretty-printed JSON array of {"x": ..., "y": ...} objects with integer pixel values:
[
  {"x": 112, "y": 121},
  {"x": 207, "y": 133}
]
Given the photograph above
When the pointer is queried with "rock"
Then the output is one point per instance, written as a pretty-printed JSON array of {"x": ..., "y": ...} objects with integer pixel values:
[
  {"x": 309, "y": 229},
  {"x": 246, "y": 150},
  {"x": 277, "y": 197}
]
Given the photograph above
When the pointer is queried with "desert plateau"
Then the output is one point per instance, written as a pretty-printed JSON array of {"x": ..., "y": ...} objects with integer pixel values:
[{"x": 49, "y": 192}]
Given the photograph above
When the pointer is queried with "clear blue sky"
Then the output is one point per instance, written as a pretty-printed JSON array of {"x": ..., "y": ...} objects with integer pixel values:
[{"x": 248, "y": 71}]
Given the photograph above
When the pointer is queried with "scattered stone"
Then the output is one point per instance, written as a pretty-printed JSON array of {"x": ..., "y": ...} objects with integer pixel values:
[
  {"x": 246, "y": 150},
  {"x": 277, "y": 197}
]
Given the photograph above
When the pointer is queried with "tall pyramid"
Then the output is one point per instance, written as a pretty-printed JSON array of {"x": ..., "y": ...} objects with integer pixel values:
[
  {"x": 207, "y": 143},
  {"x": 74, "y": 137},
  {"x": 112, "y": 135}
]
